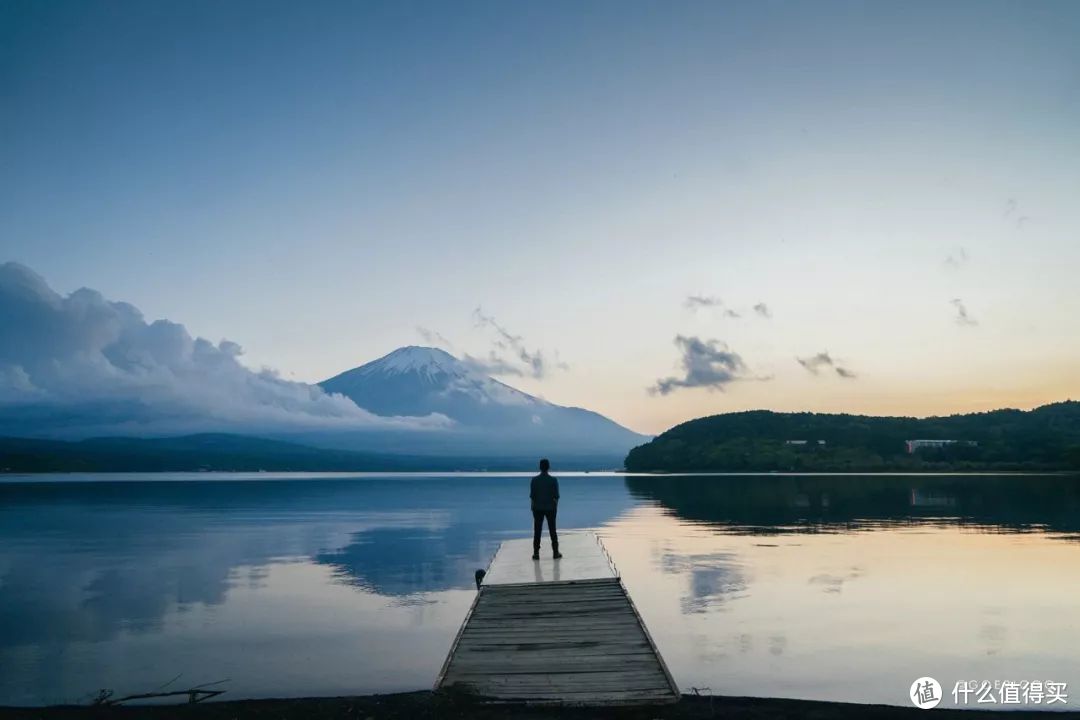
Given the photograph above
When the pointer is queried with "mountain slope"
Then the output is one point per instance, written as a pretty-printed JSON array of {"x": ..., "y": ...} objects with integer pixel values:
[{"x": 488, "y": 416}]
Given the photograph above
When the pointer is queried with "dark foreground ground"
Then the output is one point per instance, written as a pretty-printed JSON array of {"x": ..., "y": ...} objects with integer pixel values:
[{"x": 432, "y": 706}]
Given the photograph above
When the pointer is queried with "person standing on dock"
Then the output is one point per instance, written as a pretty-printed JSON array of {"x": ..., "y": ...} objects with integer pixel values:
[{"x": 544, "y": 494}]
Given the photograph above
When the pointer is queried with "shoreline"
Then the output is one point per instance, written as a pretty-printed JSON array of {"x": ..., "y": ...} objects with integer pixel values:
[
  {"x": 429, "y": 705},
  {"x": 360, "y": 474}
]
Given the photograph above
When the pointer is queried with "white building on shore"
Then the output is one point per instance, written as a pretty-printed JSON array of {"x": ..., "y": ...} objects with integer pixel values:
[{"x": 916, "y": 445}]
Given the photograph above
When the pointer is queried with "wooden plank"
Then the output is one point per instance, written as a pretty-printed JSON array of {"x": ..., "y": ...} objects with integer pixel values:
[
  {"x": 554, "y": 665},
  {"x": 556, "y": 602},
  {"x": 589, "y": 697},
  {"x": 592, "y": 583},
  {"x": 489, "y": 688},
  {"x": 549, "y": 622},
  {"x": 521, "y": 634},
  {"x": 657, "y": 687},
  {"x": 585, "y": 594},
  {"x": 642, "y": 663},
  {"x": 533, "y": 640},
  {"x": 575, "y": 612},
  {"x": 554, "y": 623},
  {"x": 627, "y": 680},
  {"x": 570, "y": 613},
  {"x": 562, "y": 662},
  {"x": 489, "y": 685},
  {"x": 578, "y": 649},
  {"x": 572, "y": 655},
  {"x": 550, "y": 641}
]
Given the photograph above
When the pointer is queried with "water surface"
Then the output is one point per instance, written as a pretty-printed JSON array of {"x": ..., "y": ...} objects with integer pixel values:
[{"x": 824, "y": 587}]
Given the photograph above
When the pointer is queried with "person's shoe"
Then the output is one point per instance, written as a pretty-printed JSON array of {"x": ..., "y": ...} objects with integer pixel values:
[
  {"x": 536, "y": 556},
  {"x": 557, "y": 555}
]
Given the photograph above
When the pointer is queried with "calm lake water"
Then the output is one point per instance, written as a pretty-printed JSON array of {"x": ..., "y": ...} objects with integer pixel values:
[{"x": 824, "y": 587}]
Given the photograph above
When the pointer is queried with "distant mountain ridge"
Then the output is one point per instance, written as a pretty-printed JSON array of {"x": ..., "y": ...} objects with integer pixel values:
[
  {"x": 219, "y": 452},
  {"x": 488, "y": 417},
  {"x": 1046, "y": 438}
]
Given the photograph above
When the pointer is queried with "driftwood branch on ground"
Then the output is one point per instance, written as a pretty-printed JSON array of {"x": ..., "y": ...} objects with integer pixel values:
[{"x": 194, "y": 695}]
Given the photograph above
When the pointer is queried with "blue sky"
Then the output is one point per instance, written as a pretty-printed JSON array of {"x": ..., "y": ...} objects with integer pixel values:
[{"x": 316, "y": 180}]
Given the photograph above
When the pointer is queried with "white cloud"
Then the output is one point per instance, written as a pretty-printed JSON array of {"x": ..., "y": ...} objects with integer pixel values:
[{"x": 83, "y": 364}]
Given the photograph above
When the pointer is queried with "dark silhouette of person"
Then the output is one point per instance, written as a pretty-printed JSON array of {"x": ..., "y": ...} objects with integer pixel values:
[{"x": 544, "y": 494}]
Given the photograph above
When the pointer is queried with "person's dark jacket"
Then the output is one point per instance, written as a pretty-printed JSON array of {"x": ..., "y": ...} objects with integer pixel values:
[{"x": 544, "y": 493}]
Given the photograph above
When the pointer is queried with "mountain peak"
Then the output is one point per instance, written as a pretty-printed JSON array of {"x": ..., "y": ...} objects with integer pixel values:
[
  {"x": 489, "y": 416},
  {"x": 416, "y": 358}
]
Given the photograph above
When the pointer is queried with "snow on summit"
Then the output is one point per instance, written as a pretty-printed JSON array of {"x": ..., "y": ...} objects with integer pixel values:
[
  {"x": 420, "y": 381},
  {"x": 427, "y": 361}
]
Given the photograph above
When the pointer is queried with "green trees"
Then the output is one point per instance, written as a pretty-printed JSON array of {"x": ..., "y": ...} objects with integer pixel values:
[{"x": 1041, "y": 439}]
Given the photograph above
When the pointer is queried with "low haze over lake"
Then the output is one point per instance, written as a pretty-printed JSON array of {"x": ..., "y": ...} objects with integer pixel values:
[{"x": 826, "y": 587}]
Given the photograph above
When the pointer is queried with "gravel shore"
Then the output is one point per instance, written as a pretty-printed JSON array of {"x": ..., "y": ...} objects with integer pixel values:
[{"x": 436, "y": 706}]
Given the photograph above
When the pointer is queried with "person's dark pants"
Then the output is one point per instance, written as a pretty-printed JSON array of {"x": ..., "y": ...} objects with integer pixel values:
[{"x": 538, "y": 526}]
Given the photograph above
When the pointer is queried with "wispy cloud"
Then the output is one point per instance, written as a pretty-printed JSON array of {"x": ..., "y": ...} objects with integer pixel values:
[
  {"x": 433, "y": 337},
  {"x": 814, "y": 364},
  {"x": 694, "y": 302},
  {"x": 957, "y": 259},
  {"x": 962, "y": 315},
  {"x": 706, "y": 364},
  {"x": 493, "y": 364},
  {"x": 712, "y": 302},
  {"x": 1013, "y": 214},
  {"x": 535, "y": 362}
]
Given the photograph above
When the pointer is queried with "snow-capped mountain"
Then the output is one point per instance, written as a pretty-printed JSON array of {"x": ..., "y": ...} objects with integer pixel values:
[{"x": 489, "y": 417}]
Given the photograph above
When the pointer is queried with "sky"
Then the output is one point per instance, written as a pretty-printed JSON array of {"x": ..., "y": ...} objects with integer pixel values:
[{"x": 654, "y": 210}]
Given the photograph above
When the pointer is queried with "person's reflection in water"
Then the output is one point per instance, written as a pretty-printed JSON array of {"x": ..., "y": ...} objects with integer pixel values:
[
  {"x": 544, "y": 495},
  {"x": 538, "y": 573}
]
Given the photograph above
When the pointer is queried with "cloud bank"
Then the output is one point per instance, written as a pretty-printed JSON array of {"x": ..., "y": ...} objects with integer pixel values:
[
  {"x": 81, "y": 364},
  {"x": 707, "y": 363}
]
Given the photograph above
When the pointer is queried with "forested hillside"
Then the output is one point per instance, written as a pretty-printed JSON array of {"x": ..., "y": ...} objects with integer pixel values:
[{"x": 1046, "y": 438}]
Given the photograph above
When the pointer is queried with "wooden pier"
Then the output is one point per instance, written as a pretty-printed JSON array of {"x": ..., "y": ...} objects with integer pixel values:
[{"x": 556, "y": 632}]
